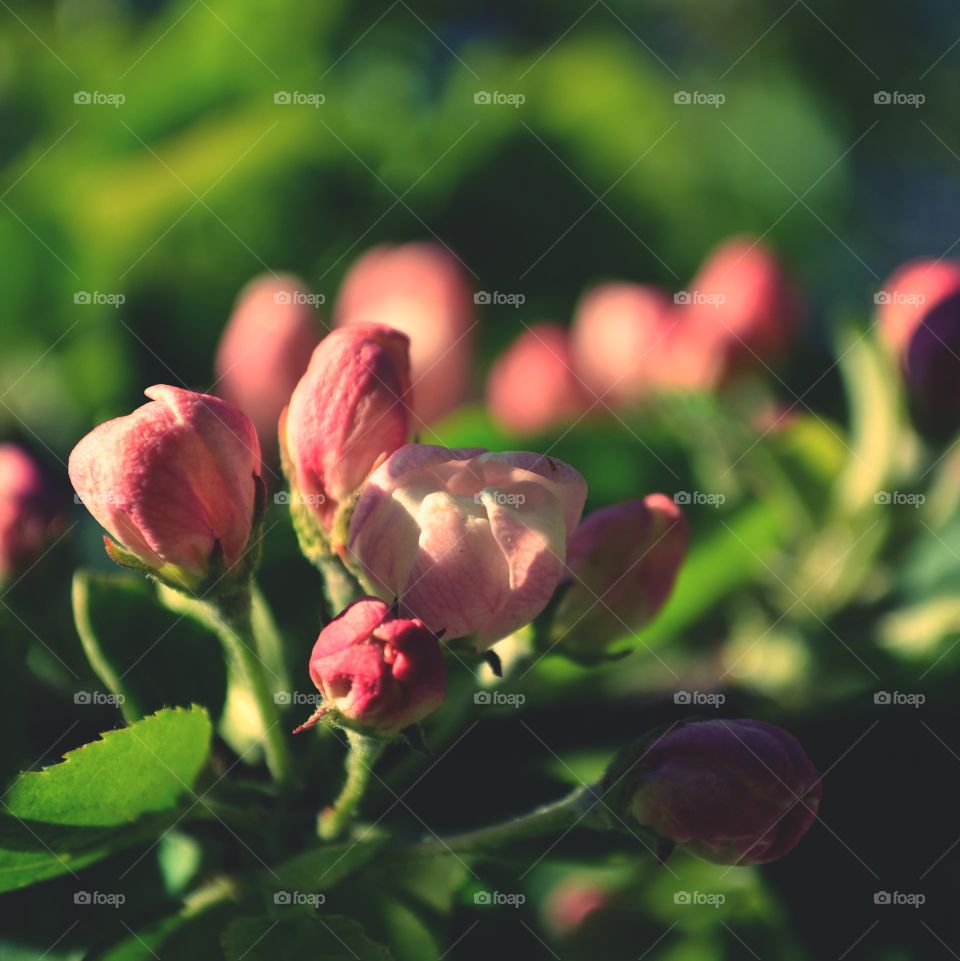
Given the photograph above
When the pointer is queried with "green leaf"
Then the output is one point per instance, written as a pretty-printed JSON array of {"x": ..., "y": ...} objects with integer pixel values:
[
  {"x": 150, "y": 656},
  {"x": 317, "y": 938},
  {"x": 320, "y": 869},
  {"x": 406, "y": 933},
  {"x": 103, "y": 796}
]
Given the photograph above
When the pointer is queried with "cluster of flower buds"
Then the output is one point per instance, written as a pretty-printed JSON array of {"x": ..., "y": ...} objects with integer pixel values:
[
  {"x": 177, "y": 484},
  {"x": 729, "y": 791},
  {"x": 449, "y": 543},
  {"x": 630, "y": 340},
  {"x": 29, "y": 513}
]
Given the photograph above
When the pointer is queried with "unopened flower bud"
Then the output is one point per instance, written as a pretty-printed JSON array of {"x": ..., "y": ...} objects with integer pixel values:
[
  {"x": 377, "y": 673},
  {"x": 622, "y": 562},
  {"x": 348, "y": 412},
  {"x": 470, "y": 542},
  {"x": 264, "y": 350},
  {"x": 177, "y": 484},
  {"x": 532, "y": 385},
  {"x": 421, "y": 290},
  {"x": 742, "y": 307},
  {"x": 919, "y": 320},
  {"x": 729, "y": 791},
  {"x": 28, "y": 511},
  {"x": 619, "y": 336}
]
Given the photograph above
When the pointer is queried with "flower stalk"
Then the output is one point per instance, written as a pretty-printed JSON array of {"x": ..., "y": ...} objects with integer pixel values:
[{"x": 362, "y": 755}]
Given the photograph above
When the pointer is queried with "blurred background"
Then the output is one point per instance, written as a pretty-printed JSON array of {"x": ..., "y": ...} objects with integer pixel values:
[{"x": 155, "y": 156}]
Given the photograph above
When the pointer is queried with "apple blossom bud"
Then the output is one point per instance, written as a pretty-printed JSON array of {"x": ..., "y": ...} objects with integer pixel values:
[
  {"x": 919, "y": 320},
  {"x": 177, "y": 484},
  {"x": 618, "y": 339},
  {"x": 740, "y": 305},
  {"x": 28, "y": 511},
  {"x": 348, "y": 412},
  {"x": 421, "y": 290},
  {"x": 729, "y": 791},
  {"x": 622, "y": 563},
  {"x": 532, "y": 385},
  {"x": 264, "y": 350},
  {"x": 574, "y": 899},
  {"x": 377, "y": 673},
  {"x": 470, "y": 542}
]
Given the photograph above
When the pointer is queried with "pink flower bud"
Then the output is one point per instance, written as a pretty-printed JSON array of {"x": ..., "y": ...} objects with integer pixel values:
[
  {"x": 376, "y": 672},
  {"x": 533, "y": 385},
  {"x": 470, "y": 542},
  {"x": 732, "y": 792},
  {"x": 176, "y": 483},
  {"x": 28, "y": 511},
  {"x": 265, "y": 349},
  {"x": 569, "y": 903},
  {"x": 349, "y": 411},
  {"x": 622, "y": 562},
  {"x": 919, "y": 320},
  {"x": 619, "y": 336},
  {"x": 419, "y": 289},
  {"x": 741, "y": 305}
]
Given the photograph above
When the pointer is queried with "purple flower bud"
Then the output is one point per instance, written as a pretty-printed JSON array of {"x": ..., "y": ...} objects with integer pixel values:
[{"x": 730, "y": 791}]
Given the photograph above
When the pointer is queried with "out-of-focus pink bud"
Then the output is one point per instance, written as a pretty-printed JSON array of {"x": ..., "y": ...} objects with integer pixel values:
[
  {"x": 177, "y": 484},
  {"x": 349, "y": 411},
  {"x": 419, "y": 289},
  {"x": 622, "y": 562},
  {"x": 919, "y": 320},
  {"x": 619, "y": 335},
  {"x": 264, "y": 350},
  {"x": 532, "y": 385},
  {"x": 377, "y": 673},
  {"x": 740, "y": 305},
  {"x": 909, "y": 294},
  {"x": 571, "y": 902},
  {"x": 470, "y": 542},
  {"x": 730, "y": 791},
  {"x": 28, "y": 511}
]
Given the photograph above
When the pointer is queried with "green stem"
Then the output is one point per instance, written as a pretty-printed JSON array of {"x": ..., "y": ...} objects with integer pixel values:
[
  {"x": 554, "y": 818},
  {"x": 340, "y": 587},
  {"x": 362, "y": 755},
  {"x": 231, "y": 616}
]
